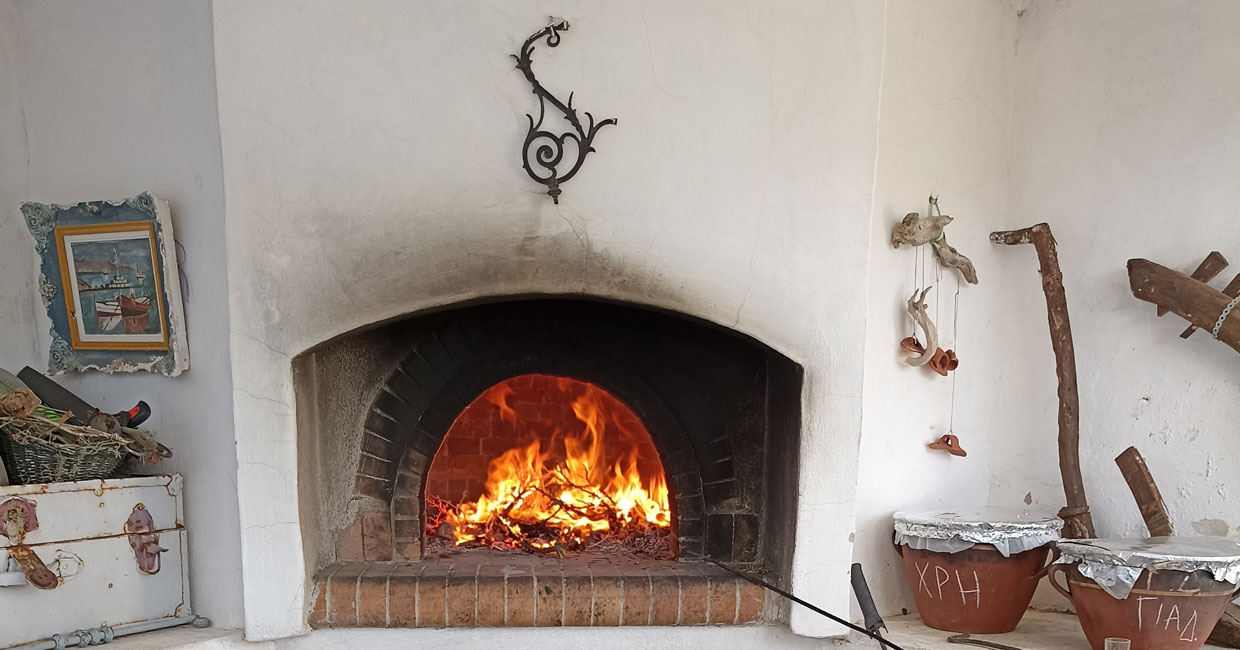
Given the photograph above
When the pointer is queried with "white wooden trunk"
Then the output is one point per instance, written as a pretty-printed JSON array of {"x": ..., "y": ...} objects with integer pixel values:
[{"x": 86, "y": 520}]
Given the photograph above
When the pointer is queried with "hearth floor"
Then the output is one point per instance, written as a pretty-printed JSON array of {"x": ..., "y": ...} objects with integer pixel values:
[
  {"x": 1037, "y": 631},
  {"x": 508, "y": 590}
]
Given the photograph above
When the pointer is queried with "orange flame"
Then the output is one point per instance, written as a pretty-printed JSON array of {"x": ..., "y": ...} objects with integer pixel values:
[
  {"x": 498, "y": 395},
  {"x": 530, "y": 502}
]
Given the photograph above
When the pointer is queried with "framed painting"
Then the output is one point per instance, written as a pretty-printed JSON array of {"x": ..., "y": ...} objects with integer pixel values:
[
  {"x": 112, "y": 295},
  {"x": 111, "y": 286}
]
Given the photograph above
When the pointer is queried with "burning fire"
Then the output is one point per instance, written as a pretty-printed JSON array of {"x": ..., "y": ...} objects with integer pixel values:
[{"x": 566, "y": 496}]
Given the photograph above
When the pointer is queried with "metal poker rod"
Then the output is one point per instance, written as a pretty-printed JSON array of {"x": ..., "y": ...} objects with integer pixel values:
[{"x": 813, "y": 608}]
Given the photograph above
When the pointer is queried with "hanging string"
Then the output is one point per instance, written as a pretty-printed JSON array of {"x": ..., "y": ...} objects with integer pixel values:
[
  {"x": 912, "y": 325},
  {"x": 951, "y": 422},
  {"x": 938, "y": 295},
  {"x": 932, "y": 207},
  {"x": 921, "y": 254}
]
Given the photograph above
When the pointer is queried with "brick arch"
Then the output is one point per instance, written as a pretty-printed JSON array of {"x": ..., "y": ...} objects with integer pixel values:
[{"x": 721, "y": 407}]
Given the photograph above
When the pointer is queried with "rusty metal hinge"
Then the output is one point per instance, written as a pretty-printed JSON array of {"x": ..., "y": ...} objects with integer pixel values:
[
  {"x": 144, "y": 540},
  {"x": 17, "y": 517}
]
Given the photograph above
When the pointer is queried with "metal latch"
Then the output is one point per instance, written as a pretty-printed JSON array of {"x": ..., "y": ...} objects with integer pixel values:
[
  {"x": 144, "y": 540},
  {"x": 17, "y": 517}
]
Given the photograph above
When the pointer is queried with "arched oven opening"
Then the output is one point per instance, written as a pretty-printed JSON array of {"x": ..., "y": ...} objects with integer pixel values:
[{"x": 596, "y": 451}]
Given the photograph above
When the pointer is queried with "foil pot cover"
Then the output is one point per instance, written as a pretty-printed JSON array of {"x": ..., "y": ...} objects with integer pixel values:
[
  {"x": 1009, "y": 530},
  {"x": 1115, "y": 564}
]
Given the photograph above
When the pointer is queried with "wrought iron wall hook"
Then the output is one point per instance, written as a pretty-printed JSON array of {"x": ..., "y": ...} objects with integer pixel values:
[{"x": 546, "y": 148}]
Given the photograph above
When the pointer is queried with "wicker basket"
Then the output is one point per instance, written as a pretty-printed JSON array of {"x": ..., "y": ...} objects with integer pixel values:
[{"x": 30, "y": 459}]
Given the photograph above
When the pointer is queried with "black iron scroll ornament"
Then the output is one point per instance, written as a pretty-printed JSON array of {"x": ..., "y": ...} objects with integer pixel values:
[{"x": 544, "y": 153}]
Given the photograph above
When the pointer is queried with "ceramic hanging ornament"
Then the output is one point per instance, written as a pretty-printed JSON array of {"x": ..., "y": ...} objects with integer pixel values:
[
  {"x": 930, "y": 355},
  {"x": 950, "y": 444}
]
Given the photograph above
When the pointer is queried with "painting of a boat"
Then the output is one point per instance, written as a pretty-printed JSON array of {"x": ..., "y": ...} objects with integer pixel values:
[{"x": 102, "y": 268}]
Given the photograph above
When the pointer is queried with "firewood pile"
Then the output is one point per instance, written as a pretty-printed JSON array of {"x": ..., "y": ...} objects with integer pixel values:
[{"x": 506, "y": 532}]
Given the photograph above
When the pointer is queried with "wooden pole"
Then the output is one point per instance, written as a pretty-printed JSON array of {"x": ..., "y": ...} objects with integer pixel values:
[
  {"x": 1196, "y": 302},
  {"x": 1145, "y": 491},
  {"x": 1078, "y": 523}
]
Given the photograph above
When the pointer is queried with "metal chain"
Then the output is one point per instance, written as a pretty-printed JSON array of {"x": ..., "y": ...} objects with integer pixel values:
[{"x": 1223, "y": 317}]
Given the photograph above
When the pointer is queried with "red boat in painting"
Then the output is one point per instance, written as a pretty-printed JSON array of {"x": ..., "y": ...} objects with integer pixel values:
[
  {"x": 135, "y": 312},
  {"x": 108, "y": 314}
]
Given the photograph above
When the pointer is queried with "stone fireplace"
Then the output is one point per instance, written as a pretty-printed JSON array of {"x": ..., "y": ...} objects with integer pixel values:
[
  {"x": 378, "y": 194},
  {"x": 413, "y": 416}
]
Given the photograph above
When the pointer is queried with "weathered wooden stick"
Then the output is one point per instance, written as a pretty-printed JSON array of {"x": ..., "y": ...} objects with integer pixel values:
[
  {"x": 917, "y": 309},
  {"x": 1196, "y": 302},
  {"x": 1078, "y": 523},
  {"x": 1212, "y": 265},
  {"x": 1154, "y": 511},
  {"x": 1145, "y": 491},
  {"x": 1232, "y": 290}
]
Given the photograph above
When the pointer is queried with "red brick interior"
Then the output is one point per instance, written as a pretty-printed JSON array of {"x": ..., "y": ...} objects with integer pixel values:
[
  {"x": 541, "y": 406},
  {"x": 544, "y": 592}
]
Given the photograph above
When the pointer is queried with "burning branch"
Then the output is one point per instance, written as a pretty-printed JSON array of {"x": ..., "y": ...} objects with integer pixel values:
[{"x": 581, "y": 502}]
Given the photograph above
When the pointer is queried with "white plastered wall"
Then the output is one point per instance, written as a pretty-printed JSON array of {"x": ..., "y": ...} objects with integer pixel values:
[
  {"x": 1128, "y": 144},
  {"x": 945, "y": 128},
  {"x": 116, "y": 98},
  {"x": 17, "y": 266},
  {"x": 345, "y": 135},
  {"x": 371, "y": 169}
]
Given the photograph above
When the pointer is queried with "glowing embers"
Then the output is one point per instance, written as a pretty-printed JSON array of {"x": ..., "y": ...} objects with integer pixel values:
[{"x": 578, "y": 472}]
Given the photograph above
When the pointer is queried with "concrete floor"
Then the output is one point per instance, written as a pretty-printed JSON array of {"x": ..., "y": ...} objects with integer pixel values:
[
  {"x": 1037, "y": 631},
  {"x": 185, "y": 637}
]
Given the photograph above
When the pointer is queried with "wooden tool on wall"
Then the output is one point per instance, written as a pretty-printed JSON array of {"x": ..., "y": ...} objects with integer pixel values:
[
  {"x": 1212, "y": 265},
  {"x": 1190, "y": 297}
]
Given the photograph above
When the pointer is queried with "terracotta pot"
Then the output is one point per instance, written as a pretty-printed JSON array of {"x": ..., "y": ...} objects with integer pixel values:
[
  {"x": 1167, "y": 610},
  {"x": 976, "y": 591}
]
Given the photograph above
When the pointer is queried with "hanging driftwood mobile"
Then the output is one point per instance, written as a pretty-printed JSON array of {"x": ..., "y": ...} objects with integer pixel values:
[{"x": 916, "y": 231}]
